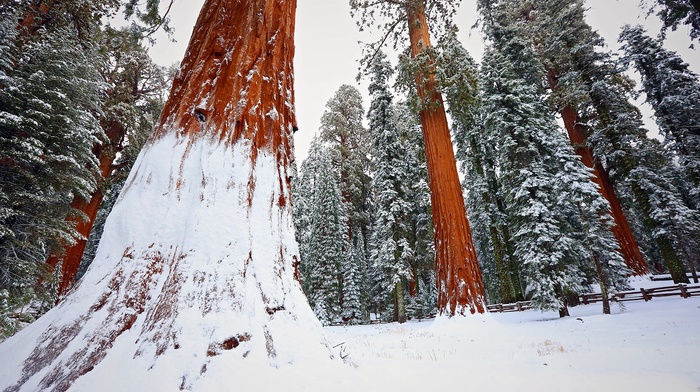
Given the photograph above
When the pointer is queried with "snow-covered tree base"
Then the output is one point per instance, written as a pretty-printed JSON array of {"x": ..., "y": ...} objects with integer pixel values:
[{"x": 193, "y": 283}]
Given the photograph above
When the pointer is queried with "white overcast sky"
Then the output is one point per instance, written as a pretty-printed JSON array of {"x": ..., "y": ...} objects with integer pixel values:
[{"x": 327, "y": 48}]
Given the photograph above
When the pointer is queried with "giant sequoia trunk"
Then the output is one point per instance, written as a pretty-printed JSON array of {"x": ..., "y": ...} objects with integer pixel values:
[
  {"x": 193, "y": 284},
  {"x": 459, "y": 283}
]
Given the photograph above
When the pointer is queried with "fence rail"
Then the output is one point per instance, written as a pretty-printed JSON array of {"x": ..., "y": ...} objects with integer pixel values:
[
  {"x": 682, "y": 290},
  {"x": 515, "y": 307}
]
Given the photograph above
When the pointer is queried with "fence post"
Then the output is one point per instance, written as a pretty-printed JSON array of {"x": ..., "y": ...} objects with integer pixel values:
[
  {"x": 684, "y": 292},
  {"x": 645, "y": 295}
]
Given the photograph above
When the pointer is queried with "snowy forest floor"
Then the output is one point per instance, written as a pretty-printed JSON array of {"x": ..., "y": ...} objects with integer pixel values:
[
  {"x": 644, "y": 347},
  {"x": 647, "y": 346}
]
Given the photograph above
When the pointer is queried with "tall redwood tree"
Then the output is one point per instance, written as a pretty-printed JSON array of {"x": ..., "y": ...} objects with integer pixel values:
[
  {"x": 194, "y": 281},
  {"x": 558, "y": 64},
  {"x": 622, "y": 231},
  {"x": 458, "y": 276}
]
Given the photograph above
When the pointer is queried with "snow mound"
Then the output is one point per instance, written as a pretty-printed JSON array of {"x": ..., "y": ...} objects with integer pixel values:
[{"x": 193, "y": 283}]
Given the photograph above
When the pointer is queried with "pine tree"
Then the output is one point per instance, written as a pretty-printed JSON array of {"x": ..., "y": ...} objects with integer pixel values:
[
  {"x": 84, "y": 15},
  {"x": 303, "y": 188},
  {"x": 529, "y": 186},
  {"x": 593, "y": 89},
  {"x": 51, "y": 81},
  {"x": 673, "y": 91},
  {"x": 557, "y": 51},
  {"x": 349, "y": 144},
  {"x": 328, "y": 244},
  {"x": 49, "y": 124},
  {"x": 353, "y": 268},
  {"x": 558, "y": 216},
  {"x": 343, "y": 132},
  {"x": 391, "y": 252},
  {"x": 674, "y": 13},
  {"x": 642, "y": 170},
  {"x": 364, "y": 280},
  {"x": 457, "y": 74}
]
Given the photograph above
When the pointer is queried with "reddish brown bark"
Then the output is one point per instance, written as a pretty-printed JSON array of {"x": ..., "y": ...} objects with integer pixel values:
[
  {"x": 219, "y": 91},
  {"x": 70, "y": 261},
  {"x": 459, "y": 281},
  {"x": 622, "y": 231},
  {"x": 235, "y": 85},
  {"x": 35, "y": 18},
  {"x": 205, "y": 66}
]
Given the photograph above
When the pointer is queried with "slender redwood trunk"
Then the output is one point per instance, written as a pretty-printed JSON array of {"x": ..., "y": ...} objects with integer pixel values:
[
  {"x": 622, "y": 231},
  {"x": 70, "y": 261},
  {"x": 459, "y": 281}
]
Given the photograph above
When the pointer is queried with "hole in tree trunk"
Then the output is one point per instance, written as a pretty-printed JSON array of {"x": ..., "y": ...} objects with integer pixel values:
[{"x": 200, "y": 115}]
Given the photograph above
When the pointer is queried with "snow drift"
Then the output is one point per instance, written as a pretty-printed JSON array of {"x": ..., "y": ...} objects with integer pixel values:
[{"x": 188, "y": 281}]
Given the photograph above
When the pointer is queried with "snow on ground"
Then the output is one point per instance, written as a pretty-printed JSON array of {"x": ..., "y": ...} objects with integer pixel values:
[
  {"x": 645, "y": 347},
  {"x": 652, "y": 346}
]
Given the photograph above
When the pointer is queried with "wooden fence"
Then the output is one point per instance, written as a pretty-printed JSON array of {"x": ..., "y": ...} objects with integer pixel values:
[
  {"x": 682, "y": 290},
  {"x": 516, "y": 307}
]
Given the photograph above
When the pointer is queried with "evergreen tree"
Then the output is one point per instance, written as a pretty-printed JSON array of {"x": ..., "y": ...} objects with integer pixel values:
[
  {"x": 673, "y": 91},
  {"x": 365, "y": 283},
  {"x": 327, "y": 246},
  {"x": 558, "y": 216},
  {"x": 543, "y": 247},
  {"x": 391, "y": 252},
  {"x": 460, "y": 286},
  {"x": 349, "y": 145},
  {"x": 353, "y": 268},
  {"x": 421, "y": 296},
  {"x": 586, "y": 81},
  {"x": 49, "y": 122},
  {"x": 303, "y": 186},
  {"x": 52, "y": 103},
  {"x": 641, "y": 170},
  {"x": 674, "y": 13},
  {"x": 457, "y": 73},
  {"x": 343, "y": 132},
  {"x": 85, "y": 15}
]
